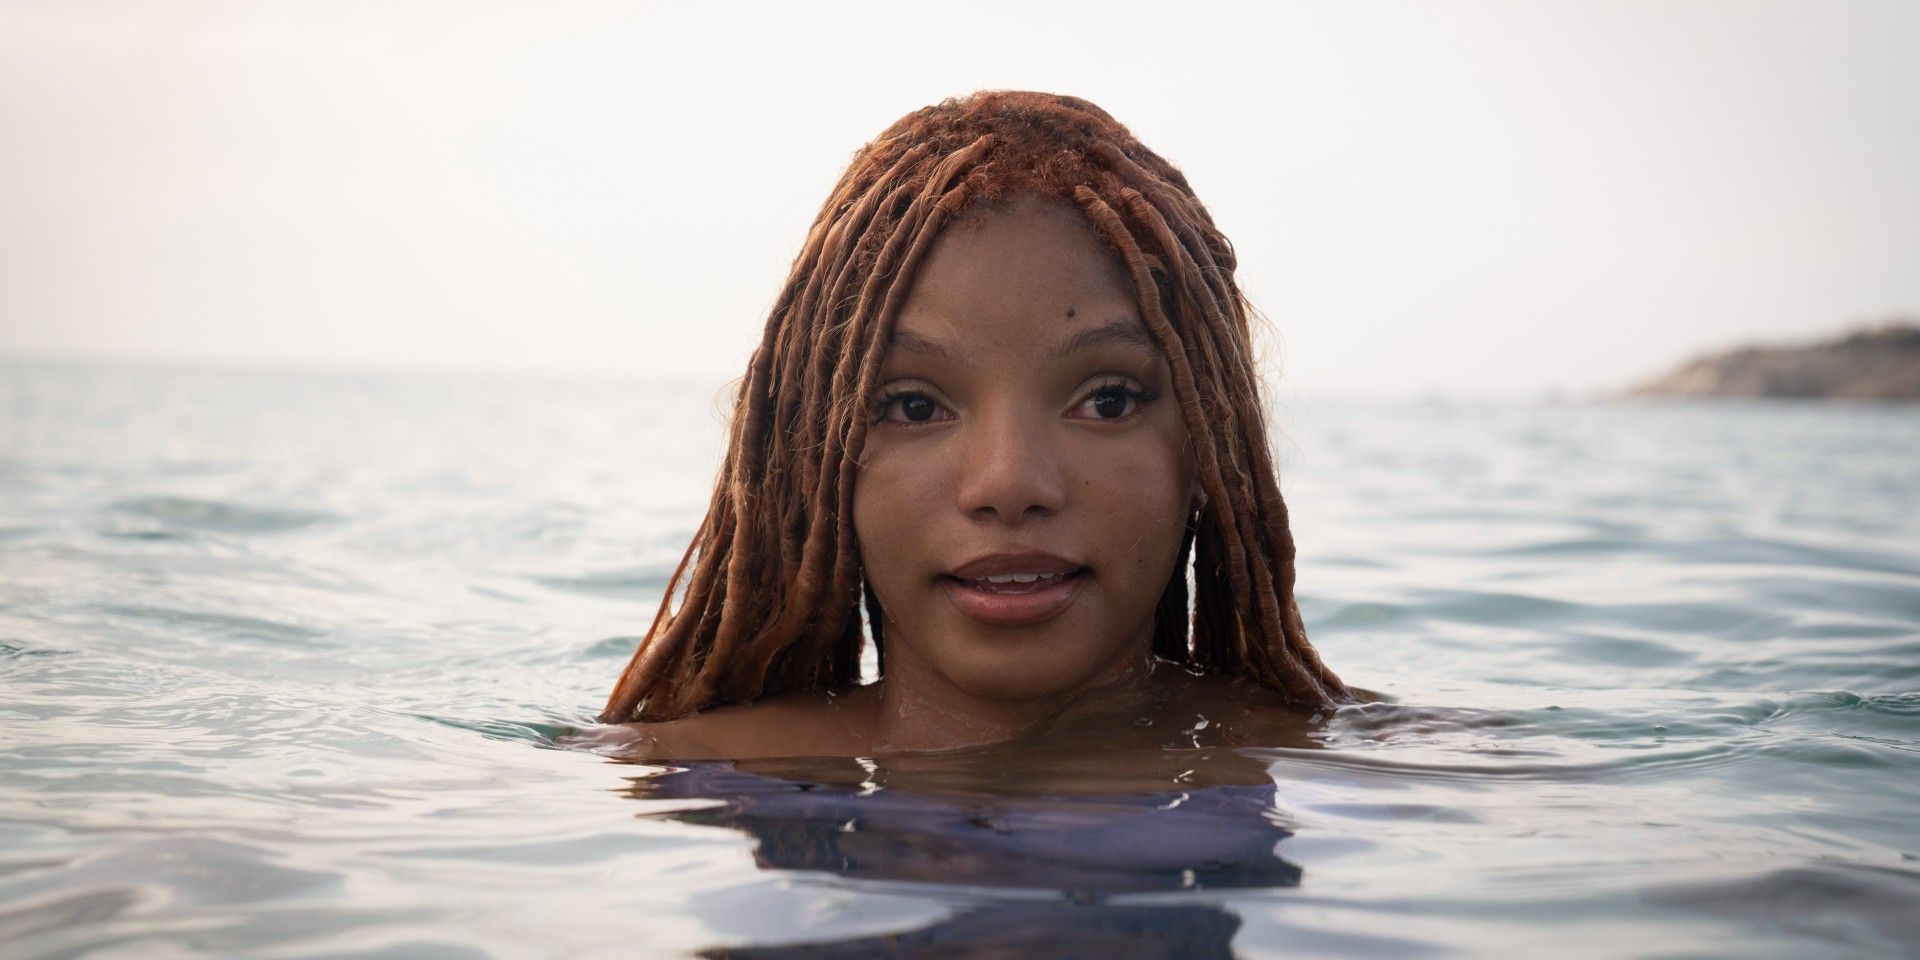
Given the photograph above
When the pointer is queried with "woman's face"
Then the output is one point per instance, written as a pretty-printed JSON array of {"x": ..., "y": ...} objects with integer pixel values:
[{"x": 1025, "y": 482}]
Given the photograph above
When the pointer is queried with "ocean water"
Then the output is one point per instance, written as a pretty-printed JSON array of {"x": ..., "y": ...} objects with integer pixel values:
[{"x": 289, "y": 664}]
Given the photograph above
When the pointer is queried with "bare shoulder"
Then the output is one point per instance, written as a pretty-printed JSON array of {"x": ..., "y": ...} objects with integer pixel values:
[
  {"x": 1225, "y": 693},
  {"x": 794, "y": 725},
  {"x": 1243, "y": 712}
]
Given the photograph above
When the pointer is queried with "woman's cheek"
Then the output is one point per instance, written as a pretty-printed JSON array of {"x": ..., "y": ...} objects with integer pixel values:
[{"x": 894, "y": 498}]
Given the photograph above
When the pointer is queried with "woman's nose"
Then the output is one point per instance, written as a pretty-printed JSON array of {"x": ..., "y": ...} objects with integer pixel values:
[{"x": 1011, "y": 471}]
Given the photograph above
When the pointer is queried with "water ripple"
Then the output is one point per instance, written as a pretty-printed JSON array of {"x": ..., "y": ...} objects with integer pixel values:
[{"x": 218, "y": 515}]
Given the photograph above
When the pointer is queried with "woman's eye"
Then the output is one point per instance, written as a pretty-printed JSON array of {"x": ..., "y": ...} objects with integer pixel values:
[
  {"x": 912, "y": 408},
  {"x": 1110, "y": 403}
]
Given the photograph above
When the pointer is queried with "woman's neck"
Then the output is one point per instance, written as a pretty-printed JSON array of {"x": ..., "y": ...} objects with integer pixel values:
[{"x": 915, "y": 709}]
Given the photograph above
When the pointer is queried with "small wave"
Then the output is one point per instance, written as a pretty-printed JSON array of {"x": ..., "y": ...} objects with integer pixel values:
[
  {"x": 1487, "y": 608},
  {"x": 1894, "y": 704},
  {"x": 1361, "y": 615},
  {"x": 227, "y": 624},
  {"x": 1819, "y": 704},
  {"x": 12, "y": 649},
  {"x": 625, "y": 584},
  {"x": 538, "y": 733},
  {"x": 1825, "y": 731},
  {"x": 145, "y": 535},
  {"x": 1758, "y": 551},
  {"x": 622, "y": 646},
  {"x": 1431, "y": 813},
  {"x": 1669, "y": 761},
  {"x": 217, "y": 515},
  {"x": 25, "y": 919},
  {"x": 1616, "y": 651},
  {"x": 541, "y": 851},
  {"x": 1382, "y": 721},
  {"x": 1823, "y": 901}
]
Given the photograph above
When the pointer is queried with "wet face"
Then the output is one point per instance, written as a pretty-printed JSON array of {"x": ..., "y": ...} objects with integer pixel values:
[{"x": 1025, "y": 482}]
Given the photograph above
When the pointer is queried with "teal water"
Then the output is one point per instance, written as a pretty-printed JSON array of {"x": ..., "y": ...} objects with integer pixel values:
[{"x": 288, "y": 664}]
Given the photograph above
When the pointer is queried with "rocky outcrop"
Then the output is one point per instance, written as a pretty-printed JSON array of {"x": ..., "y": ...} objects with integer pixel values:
[{"x": 1876, "y": 363}]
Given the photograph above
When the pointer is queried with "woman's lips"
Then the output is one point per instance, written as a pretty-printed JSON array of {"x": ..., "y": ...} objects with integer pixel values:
[{"x": 1014, "y": 599}]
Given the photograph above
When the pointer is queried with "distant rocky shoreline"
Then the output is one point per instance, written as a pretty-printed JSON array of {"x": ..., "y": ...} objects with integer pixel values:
[{"x": 1881, "y": 362}]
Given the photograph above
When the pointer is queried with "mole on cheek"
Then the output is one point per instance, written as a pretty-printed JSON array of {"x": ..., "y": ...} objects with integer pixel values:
[{"x": 1071, "y": 311}]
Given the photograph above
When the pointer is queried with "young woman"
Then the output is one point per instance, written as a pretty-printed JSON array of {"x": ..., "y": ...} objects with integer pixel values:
[{"x": 1007, "y": 398}]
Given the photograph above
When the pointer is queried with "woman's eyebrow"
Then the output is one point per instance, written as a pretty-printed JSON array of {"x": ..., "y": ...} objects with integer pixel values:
[
  {"x": 1126, "y": 330},
  {"x": 915, "y": 343}
]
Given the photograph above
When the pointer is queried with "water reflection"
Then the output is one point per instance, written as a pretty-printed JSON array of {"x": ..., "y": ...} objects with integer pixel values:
[
  {"x": 1032, "y": 864},
  {"x": 1016, "y": 929}
]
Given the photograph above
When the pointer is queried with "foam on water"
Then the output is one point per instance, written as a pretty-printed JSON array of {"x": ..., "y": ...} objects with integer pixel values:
[{"x": 289, "y": 666}]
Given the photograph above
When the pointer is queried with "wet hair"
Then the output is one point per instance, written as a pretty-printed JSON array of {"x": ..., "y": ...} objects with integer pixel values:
[{"x": 769, "y": 592}]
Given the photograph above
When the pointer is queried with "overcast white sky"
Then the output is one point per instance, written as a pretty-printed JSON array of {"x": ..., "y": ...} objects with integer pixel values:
[{"x": 1459, "y": 197}]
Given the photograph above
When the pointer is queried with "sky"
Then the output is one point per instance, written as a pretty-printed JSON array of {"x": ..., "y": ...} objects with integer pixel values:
[{"x": 1456, "y": 199}]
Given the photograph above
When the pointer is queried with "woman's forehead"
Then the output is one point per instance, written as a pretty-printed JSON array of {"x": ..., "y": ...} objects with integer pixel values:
[
  {"x": 1031, "y": 268},
  {"x": 1025, "y": 233},
  {"x": 950, "y": 343}
]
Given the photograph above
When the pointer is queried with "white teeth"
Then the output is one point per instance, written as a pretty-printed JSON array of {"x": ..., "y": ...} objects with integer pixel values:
[{"x": 1018, "y": 577}]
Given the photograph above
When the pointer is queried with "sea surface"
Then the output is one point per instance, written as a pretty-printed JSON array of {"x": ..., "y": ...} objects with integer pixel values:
[{"x": 291, "y": 665}]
